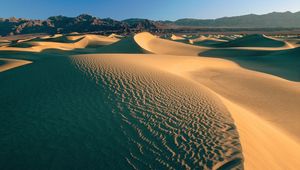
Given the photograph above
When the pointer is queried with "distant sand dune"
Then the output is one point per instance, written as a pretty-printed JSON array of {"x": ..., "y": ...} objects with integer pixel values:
[
  {"x": 293, "y": 42},
  {"x": 161, "y": 46},
  {"x": 63, "y": 38},
  {"x": 115, "y": 36},
  {"x": 203, "y": 40},
  {"x": 176, "y": 37},
  {"x": 254, "y": 41},
  {"x": 282, "y": 63},
  {"x": 38, "y": 46}
]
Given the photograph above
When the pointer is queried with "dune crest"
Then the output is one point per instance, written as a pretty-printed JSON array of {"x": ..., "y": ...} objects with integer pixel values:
[
  {"x": 83, "y": 42},
  {"x": 161, "y": 46}
]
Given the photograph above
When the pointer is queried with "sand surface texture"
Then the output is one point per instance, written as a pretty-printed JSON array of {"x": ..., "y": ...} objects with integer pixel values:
[{"x": 89, "y": 102}]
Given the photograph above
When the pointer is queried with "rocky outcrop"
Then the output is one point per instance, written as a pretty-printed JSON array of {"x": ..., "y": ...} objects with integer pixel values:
[{"x": 82, "y": 24}]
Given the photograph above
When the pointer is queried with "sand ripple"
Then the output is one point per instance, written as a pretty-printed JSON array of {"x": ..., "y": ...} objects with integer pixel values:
[{"x": 162, "y": 124}]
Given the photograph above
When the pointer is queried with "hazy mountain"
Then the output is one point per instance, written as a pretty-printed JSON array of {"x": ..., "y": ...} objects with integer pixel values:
[{"x": 271, "y": 20}]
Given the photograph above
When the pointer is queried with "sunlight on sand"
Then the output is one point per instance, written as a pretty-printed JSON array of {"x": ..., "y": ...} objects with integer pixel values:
[{"x": 166, "y": 103}]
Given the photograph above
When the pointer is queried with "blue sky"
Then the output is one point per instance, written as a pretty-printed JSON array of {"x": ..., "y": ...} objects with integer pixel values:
[{"x": 151, "y": 9}]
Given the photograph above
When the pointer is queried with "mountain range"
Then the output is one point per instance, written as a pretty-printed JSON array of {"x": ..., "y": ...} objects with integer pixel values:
[
  {"x": 271, "y": 20},
  {"x": 88, "y": 23}
]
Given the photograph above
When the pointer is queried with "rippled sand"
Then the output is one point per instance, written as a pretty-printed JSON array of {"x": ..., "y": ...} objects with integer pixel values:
[{"x": 78, "y": 107}]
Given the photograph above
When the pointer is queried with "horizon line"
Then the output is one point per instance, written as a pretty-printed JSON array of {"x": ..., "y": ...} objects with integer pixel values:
[{"x": 151, "y": 19}]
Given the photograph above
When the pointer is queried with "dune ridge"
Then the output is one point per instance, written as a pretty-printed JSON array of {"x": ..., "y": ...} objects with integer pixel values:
[
  {"x": 38, "y": 46},
  {"x": 161, "y": 46}
]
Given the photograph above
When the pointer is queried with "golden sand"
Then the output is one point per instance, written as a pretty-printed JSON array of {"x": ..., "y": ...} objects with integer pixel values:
[{"x": 264, "y": 107}]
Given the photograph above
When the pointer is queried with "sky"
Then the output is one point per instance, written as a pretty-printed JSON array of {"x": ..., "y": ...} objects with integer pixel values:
[{"x": 150, "y": 9}]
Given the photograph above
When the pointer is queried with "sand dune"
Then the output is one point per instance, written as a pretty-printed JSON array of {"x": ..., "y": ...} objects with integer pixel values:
[
  {"x": 62, "y": 38},
  {"x": 264, "y": 106},
  {"x": 255, "y": 40},
  {"x": 267, "y": 93},
  {"x": 230, "y": 37},
  {"x": 263, "y": 87},
  {"x": 161, "y": 46},
  {"x": 131, "y": 71},
  {"x": 206, "y": 41},
  {"x": 282, "y": 63},
  {"x": 38, "y": 46},
  {"x": 176, "y": 37},
  {"x": 204, "y": 38},
  {"x": 171, "y": 109},
  {"x": 293, "y": 42},
  {"x": 6, "y": 64},
  {"x": 125, "y": 45},
  {"x": 112, "y": 111},
  {"x": 264, "y": 146}
]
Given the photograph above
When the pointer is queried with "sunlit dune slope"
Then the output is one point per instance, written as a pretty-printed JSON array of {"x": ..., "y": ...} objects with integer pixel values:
[
  {"x": 61, "y": 43},
  {"x": 112, "y": 111},
  {"x": 161, "y": 46},
  {"x": 256, "y": 101},
  {"x": 274, "y": 99},
  {"x": 265, "y": 109}
]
